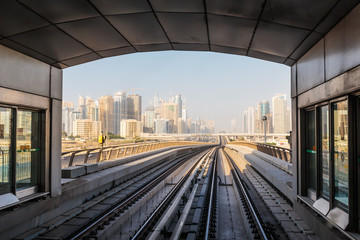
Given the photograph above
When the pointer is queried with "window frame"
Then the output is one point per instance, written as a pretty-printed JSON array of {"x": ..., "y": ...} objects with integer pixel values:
[
  {"x": 333, "y": 202},
  {"x": 307, "y": 191},
  {"x": 12, "y": 151},
  {"x": 319, "y": 193}
]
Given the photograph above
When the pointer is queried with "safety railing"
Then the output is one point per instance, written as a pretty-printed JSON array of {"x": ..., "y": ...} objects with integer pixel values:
[
  {"x": 96, "y": 155},
  {"x": 275, "y": 151}
]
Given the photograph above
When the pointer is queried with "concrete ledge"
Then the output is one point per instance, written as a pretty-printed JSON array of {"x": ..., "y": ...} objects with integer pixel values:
[
  {"x": 281, "y": 179},
  {"x": 283, "y": 165},
  {"x": 89, "y": 167},
  {"x": 73, "y": 171},
  {"x": 119, "y": 161},
  {"x": 279, "y": 163}
]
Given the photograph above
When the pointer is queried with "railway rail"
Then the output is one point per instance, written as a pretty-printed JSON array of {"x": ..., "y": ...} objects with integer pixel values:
[
  {"x": 110, "y": 215},
  {"x": 192, "y": 225},
  {"x": 85, "y": 220},
  {"x": 210, "y": 196},
  {"x": 257, "y": 227}
]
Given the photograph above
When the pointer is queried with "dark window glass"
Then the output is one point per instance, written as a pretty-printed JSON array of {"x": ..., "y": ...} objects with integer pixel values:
[
  {"x": 310, "y": 150},
  {"x": 325, "y": 154},
  {"x": 341, "y": 160},
  {"x": 27, "y": 149},
  {"x": 5, "y": 141}
]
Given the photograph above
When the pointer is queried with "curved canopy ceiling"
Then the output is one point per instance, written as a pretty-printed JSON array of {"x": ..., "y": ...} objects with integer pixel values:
[{"x": 64, "y": 33}]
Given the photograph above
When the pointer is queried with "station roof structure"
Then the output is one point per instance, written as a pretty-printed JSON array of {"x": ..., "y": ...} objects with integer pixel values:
[{"x": 70, "y": 32}]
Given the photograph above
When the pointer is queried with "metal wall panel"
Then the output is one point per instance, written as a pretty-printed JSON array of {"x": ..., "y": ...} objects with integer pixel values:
[
  {"x": 313, "y": 96},
  {"x": 23, "y": 73},
  {"x": 345, "y": 83},
  {"x": 55, "y": 155},
  {"x": 294, "y": 81},
  {"x": 342, "y": 45},
  {"x": 310, "y": 68},
  {"x": 56, "y": 83}
]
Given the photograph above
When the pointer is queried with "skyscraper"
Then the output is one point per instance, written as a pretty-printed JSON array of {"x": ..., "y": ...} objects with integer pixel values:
[
  {"x": 74, "y": 115},
  {"x": 130, "y": 128},
  {"x": 92, "y": 110},
  {"x": 106, "y": 114},
  {"x": 149, "y": 120},
  {"x": 67, "y": 108},
  {"x": 178, "y": 102},
  {"x": 81, "y": 100},
  {"x": 279, "y": 116},
  {"x": 120, "y": 110},
  {"x": 161, "y": 126},
  {"x": 184, "y": 114},
  {"x": 263, "y": 109},
  {"x": 170, "y": 112},
  {"x": 86, "y": 128},
  {"x": 234, "y": 125},
  {"x": 249, "y": 120},
  {"x": 134, "y": 107},
  {"x": 156, "y": 100}
]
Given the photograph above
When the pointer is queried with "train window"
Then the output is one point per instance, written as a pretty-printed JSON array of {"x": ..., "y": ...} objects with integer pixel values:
[
  {"x": 310, "y": 153},
  {"x": 325, "y": 151},
  {"x": 341, "y": 160}
]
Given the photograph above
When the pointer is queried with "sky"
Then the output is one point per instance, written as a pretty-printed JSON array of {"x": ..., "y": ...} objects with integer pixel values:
[{"x": 215, "y": 86}]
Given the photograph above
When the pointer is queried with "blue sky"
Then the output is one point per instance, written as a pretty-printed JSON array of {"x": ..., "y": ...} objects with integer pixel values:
[{"x": 216, "y": 86}]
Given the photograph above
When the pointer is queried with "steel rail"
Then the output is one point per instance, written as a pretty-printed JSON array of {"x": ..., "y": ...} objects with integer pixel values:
[
  {"x": 133, "y": 196},
  {"x": 213, "y": 180},
  {"x": 244, "y": 193},
  {"x": 139, "y": 234}
]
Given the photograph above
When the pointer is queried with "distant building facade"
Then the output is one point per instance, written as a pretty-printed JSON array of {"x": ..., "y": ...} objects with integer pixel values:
[
  {"x": 86, "y": 128},
  {"x": 106, "y": 114},
  {"x": 130, "y": 128}
]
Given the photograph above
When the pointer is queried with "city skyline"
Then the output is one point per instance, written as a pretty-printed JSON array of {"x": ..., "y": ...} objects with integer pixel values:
[
  {"x": 124, "y": 115},
  {"x": 209, "y": 81},
  {"x": 272, "y": 116}
]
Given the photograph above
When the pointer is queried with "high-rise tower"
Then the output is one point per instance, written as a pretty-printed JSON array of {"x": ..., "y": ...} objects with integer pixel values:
[
  {"x": 120, "y": 110},
  {"x": 134, "y": 107},
  {"x": 106, "y": 114}
]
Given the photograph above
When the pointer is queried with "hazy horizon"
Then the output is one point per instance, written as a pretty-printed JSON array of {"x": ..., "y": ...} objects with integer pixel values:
[{"x": 216, "y": 86}]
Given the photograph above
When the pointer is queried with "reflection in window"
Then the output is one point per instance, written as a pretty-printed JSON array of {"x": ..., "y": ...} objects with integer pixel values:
[
  {"x": 325, "y": 155},
  {"x": 310, "y": 150},
  {"x": 5, "y": 141},
  {"x": 27, "y": 149},
  {"x": 341, "y": 161}
]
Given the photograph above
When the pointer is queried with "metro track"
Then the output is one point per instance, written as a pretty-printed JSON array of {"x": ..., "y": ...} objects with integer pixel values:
[
  {"x": 113, "y": 202},
  {"x": 90, "y": 231},
  {"x": 210, "y": 198},
  {"x": 183, "y": 226}
]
